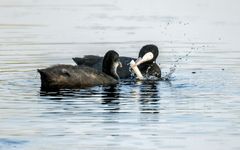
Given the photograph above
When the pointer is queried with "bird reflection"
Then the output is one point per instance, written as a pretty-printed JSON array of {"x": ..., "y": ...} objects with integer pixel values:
[
  {"x": 57, "y": 95},
  {"x": 110, "y": 98},
  {"x": 68, "y": 93},
  {"x": 149, "y": 97}
]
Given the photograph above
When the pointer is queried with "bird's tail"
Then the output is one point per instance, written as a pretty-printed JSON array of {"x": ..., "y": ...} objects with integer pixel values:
[{"x": 45, "y": 80}]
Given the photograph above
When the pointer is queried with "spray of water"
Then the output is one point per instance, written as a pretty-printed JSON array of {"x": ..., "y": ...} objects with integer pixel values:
[{"x": 168, "y": 75}]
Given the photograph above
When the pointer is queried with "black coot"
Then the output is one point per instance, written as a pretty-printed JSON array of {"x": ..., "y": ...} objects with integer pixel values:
[
  {"x": 71, "y": 77},
  {"x": 147, "y": 65}
]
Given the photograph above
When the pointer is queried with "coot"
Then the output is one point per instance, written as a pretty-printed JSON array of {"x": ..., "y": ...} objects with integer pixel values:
[
  {"x": 72, "y": 77},
  {"x": 147, "y": 65}
]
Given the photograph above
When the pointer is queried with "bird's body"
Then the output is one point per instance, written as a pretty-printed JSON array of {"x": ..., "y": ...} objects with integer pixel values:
[
  {"x": 149, "y": 68},
  {"x": 73, "y": 77},
  {"x": 96, "y": 63},
  {"x": 68, "y": 76}
]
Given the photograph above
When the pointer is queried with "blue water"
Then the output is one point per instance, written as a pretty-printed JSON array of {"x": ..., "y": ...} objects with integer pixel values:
[{"x": 198, "y": 108}]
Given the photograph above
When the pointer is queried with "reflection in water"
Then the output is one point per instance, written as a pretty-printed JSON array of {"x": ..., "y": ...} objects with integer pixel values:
[
  {"x": 149, "y": 97},
  {"x": 63, "y": 94},
  {"x": 69, "y": 93},
  {"x": 56, "y": 95},
  {"x": 202, "y": 107},
  {"x": 110, "y": 97}
]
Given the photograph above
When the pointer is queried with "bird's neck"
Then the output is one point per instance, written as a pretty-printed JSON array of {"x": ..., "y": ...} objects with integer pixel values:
[
  {"x": 111, "y": 72},
  {"x": 114, "y": 73}
]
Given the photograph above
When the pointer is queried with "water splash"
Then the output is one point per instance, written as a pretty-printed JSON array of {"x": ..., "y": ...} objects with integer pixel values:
[
  {"x": 168, "y": 75},
  {"x": 131, "y": 71}
]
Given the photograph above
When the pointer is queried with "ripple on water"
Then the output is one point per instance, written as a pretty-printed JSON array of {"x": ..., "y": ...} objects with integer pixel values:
[
  {"x": 6, "y": 143},
  {"x": 195, "y": 106}
]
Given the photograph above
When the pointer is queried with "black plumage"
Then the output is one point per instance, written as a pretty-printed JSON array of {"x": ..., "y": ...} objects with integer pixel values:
[
  {"x": 148, "y": 68},
  {"x": 71, "y": 77}
]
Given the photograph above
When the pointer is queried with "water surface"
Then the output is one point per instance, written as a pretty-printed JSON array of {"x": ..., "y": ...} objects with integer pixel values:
[{"x": 197, "y": 109}]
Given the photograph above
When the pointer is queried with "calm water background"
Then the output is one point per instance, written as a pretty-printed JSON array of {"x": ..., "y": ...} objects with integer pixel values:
[{"x": 197, "y": 111}]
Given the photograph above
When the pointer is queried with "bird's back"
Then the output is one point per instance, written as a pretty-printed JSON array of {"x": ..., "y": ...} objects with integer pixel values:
[
  {"x": 96, "y": 63},
  {"x": 90, "y": 60},
  {"x": 67, "y": 76}
]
